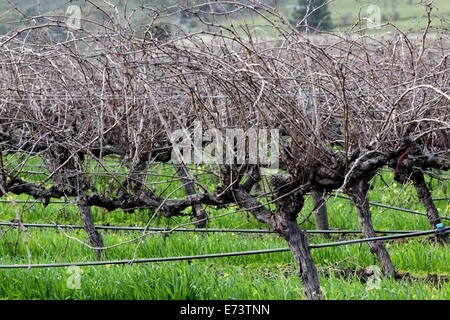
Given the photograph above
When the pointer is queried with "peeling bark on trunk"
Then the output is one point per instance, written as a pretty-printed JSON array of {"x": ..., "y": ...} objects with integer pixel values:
[
  {"x": 424, "y": 195},
  {"x": 321, "y": 214},
  {"x": 285, "y": 224},
  {"x": 359, "y": 196},
  {"x": 298, "y": 244},
  {"x": 198, "y": 212},
  {"x": 68, "y": 177},
  {"x": 89, "y": 226}
]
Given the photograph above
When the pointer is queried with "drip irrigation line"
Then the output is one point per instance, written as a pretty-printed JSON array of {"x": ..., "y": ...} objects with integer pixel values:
[
  {"x": 169, "y": 230},
  {"x": 217, "y": 255}
]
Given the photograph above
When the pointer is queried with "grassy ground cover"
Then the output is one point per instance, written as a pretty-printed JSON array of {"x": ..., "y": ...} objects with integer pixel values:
[{"x": 264, "y": 276}]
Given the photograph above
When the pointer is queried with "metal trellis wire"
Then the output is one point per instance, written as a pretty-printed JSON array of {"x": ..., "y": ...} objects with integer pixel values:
[{"x": 200, "y": 230}]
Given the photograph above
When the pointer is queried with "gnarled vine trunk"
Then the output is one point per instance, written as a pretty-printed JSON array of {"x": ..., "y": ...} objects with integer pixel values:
[
  {"x": 320, "y": 213},
  {"x": 298, "y": 244},
  {"x": 424, "y": 195},
  {"x": 361, "y": 200},
  {"x": 88, "y": 223},
  {"x": 198, "y": 212},
  {"x": 284, "y": 222}
]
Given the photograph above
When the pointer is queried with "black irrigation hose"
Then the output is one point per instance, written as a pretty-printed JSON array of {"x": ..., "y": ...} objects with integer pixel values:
[
  {"x": 220, "y": 255},
  {"x": 169, "y": 230}
]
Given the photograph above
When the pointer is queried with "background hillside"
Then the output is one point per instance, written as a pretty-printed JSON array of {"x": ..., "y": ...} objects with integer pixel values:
[{"x": 409, "y": 15}]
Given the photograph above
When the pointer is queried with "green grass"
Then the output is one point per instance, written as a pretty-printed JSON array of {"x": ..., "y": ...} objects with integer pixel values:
[
  {"x": 256, "y": 277},
  {"x": 409, "y": 16},
  {"x": 264, "y": 276}
]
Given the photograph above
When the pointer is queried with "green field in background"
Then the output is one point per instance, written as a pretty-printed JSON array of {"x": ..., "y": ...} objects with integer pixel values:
[{"x": 409, "y": 16}]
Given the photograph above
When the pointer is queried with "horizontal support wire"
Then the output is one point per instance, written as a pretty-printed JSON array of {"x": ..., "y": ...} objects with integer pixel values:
[
  {"x": 399, "y": 234},
  {"x": 204, "y": 230},
  {"x": 69, "y": 100},
  {"x": 217, "y": 255},
  {"x": 34, "y": 202},
  {"x": 375, "y": 204}
]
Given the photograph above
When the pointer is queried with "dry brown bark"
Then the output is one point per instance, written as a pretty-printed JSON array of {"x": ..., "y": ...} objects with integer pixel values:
[
  {"x": 88, "y": 223},
  {"x": 425, "y": 197},
  {"x": 359, "y": 194},
  {"x": 320, "y": 213}
]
